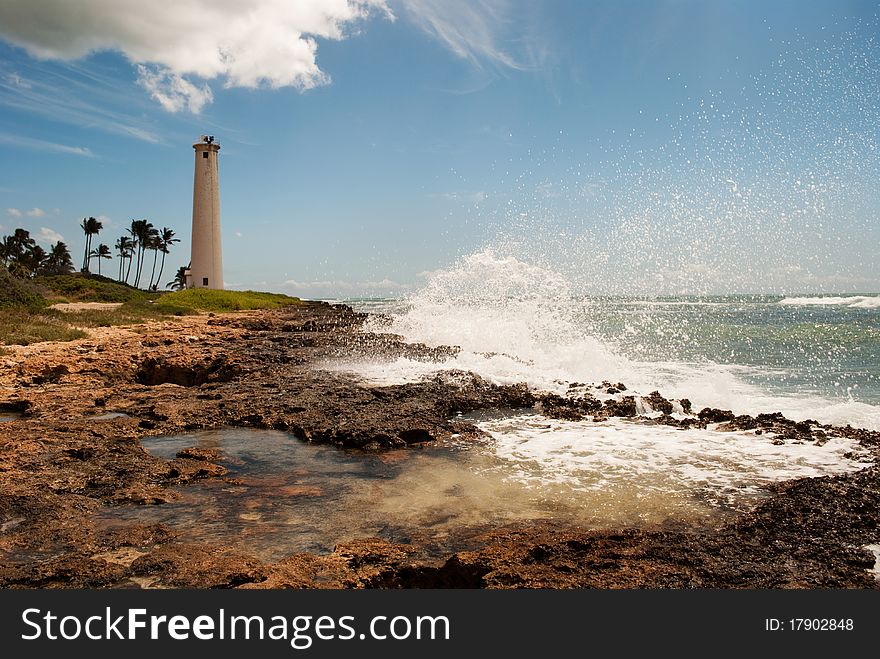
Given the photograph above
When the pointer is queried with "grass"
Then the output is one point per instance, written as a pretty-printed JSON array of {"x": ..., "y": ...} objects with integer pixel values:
[
  {"x": 25, "y": 318},
  {"x": 130, "y": 313},
  {"x": 203, "y": 299},
  {"x": 23, "y": 327},
  {"x": 90, "y": 288}
]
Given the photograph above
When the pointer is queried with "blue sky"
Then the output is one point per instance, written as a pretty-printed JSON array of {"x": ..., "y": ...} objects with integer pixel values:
[{"x": 637, "y": 147}]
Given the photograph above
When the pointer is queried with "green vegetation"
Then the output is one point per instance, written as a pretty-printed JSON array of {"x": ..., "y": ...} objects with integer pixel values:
[
  {"x": 21, "y": 256},
  {"x": 130, "y": 313},
  {"x": 203, "y": 299},
  {"x": 25, "y": 317},
  {"x": 18, "y": 326},
  {"x": 90, "y": 288},
  {"x": 19, "y": 293}
]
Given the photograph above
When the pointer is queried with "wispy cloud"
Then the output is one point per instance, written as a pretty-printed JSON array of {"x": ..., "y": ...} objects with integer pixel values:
[
  {"x": 13, "y": 212},
  {"x": 43, "y": 145},
  {"x": 75, "y": 95},
  {"x": 247, "y": 43},
  {"x": 471, "y": 29},
  {"x": 36, "y": 212},
  {"x": 16, "y": 80}
]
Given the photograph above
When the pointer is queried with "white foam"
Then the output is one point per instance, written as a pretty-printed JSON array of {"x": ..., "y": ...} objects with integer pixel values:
[
  {"x": 515, "y": 322},
  {"x": 725, "y": 386},
  {"x": 725, "y": 465},
  {"x": 852, "y": 301}
]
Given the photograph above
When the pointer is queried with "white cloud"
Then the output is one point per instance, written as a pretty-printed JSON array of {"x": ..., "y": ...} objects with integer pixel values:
[
  {"x": 36, "y": 212},
  {"x": 173, "y": 91},
  {"x": 13, "y": 212},
  {"x": 48, "y": 236},
  {"x": 43, "y": 145},
  {"x": 106, "y": 222},
  {"x": 246, "y": 43},
  {"x": 469, "y": 28}
]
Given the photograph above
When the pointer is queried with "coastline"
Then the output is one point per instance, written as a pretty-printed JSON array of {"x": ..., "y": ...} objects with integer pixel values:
[{"x": 85, "y": 404}]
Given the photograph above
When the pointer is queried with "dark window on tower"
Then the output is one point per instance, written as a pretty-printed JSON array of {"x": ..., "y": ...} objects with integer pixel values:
[
  {"x": 204, "y": 154},
  {"x": 204, "y": 281}
]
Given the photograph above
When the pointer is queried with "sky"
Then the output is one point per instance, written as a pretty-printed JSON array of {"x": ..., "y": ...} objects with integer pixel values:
[{"x": 662, "y": 147}]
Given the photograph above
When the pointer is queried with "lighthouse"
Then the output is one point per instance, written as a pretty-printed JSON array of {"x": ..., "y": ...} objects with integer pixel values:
[{"x": 206, "y": 264}]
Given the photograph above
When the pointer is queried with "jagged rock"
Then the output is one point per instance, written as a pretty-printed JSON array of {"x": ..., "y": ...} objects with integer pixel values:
[
  {"x": 658, "y": 403},
  {"x": 624, "y": 407},
  {"x": 713, "y": 415}
]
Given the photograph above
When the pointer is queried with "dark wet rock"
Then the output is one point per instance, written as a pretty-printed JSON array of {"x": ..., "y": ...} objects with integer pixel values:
[
  {"x": 186, "y": 373},
  {"x": 557, "y": 407},
  {"x": 713, "y": 415},
  {"x": 51, "y": 375},
  {"x": 783, "y": 429},
  {"x": 15, "y": 406},
  {"x": 624, "y": 407},
  {"x": 568, "y": 408},
  {"x": 657, "y": 402}
]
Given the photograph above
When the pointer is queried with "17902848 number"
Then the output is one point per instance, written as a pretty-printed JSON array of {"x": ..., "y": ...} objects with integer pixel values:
[{"x": 821, "y": 624}]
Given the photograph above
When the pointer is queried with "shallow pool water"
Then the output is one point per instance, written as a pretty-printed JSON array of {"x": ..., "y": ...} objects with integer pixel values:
[{"x": 283, "y": 496}]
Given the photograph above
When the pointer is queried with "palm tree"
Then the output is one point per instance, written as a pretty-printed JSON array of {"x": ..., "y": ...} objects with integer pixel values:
[
  {"x": 143, "y": 232},
  {"x": 166, "y": 239},
  {"x": 131, "y": 254},
  {"x": 58, "y": 262},
  {"x": 101, "y": 252},
  {"x": 5, "y": 246},
  {"x": 136, "y": 229},
  {"x": 90, "y": 227},
  {"x": 155, "y": 239},
  {"x": 32, "y": 260},
  {"x": 179, "y": 281},
  {"x": 21, "y": 253},
  {"x": 10, "y": 248},
  {"x": 125, "y": 247}
]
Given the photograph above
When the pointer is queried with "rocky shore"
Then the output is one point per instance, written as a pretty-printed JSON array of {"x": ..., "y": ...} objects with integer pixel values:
[{"x": 75, "y": 413}]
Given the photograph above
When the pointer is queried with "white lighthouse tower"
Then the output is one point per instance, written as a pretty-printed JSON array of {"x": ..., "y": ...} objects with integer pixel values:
[{"x": 206, "y": 265}]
